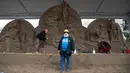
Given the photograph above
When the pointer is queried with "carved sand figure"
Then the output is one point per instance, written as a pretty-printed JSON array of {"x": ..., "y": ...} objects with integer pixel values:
[
  {"x": 103, "y": 32},
  {"x": 18, "y": 36},
  {"x": 62, "y": 16},
  {"x": 115, "y": 27},
  {"x": 108, "y": 31},
  {"x": 59, "y": 17}
]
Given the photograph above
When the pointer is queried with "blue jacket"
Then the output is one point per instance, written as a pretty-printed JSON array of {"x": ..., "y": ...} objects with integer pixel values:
[{"x": 70, "y": 45}]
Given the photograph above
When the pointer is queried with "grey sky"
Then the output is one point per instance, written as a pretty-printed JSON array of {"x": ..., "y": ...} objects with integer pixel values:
[{"x": 35, "y": 22}]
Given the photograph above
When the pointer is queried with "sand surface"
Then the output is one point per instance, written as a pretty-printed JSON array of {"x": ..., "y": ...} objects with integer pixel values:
[
  {"x": 34, "y": 63},
  {"x": 33, "y": 68}
]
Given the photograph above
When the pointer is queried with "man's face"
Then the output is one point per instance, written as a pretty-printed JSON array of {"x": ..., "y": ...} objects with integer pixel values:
[
  {"x": 46, "y": 30},
  {"x": 66, "y": 34}
]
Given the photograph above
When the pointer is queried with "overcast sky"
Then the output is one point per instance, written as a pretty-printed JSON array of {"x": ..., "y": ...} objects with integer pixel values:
[
  {"x": 3, "y": 22},
  {"x": 35, "y": 22}
]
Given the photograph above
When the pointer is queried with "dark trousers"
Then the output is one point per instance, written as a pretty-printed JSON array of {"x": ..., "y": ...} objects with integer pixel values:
[
  {"x": 41, "y": 45},
  {"x": 65, "y": 60}
]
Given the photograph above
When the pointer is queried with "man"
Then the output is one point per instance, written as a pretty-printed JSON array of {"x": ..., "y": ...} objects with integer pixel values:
[
  {"x": 65, "y": 48},
  {"x": 42, "y": 39}
]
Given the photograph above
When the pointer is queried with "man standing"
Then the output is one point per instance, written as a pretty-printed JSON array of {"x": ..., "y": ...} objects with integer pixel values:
[
  {"x": 65, "y": 48},
  {"x": 42, "y": 39}
]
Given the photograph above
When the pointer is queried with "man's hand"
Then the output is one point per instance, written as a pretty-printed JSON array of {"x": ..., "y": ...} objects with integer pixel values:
[
  {"x": 47, "y": 38},
  {"x": 72, "y": 52},
  {"x": 58, "y": 51}
]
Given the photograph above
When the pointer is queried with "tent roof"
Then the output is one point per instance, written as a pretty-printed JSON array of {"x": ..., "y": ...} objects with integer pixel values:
[{"x": 86, "y": 8}]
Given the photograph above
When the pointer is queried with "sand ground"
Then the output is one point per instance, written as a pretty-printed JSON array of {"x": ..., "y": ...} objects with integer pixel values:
[
  {"x": 33, "y": 63},
  {"x": 55, "y": 69}
]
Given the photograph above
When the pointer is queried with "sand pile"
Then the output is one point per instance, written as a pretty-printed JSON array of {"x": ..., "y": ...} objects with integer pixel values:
[
  {"x": 40, "y": 63},
  {"x": 55, "y": 69},
  {"x": 18, "y": 36}
]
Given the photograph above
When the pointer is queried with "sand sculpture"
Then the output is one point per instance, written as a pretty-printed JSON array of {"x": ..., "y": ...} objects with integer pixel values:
[
  {"x": 59, "y": 17},
  {"x": 17, "y": 36},
  {"x": 107, "y": 30}
]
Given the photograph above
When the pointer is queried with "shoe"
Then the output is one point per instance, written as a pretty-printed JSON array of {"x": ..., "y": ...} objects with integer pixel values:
[
  {"x": 61, "y": 71},
  {"x": 68, "y": 70}
]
